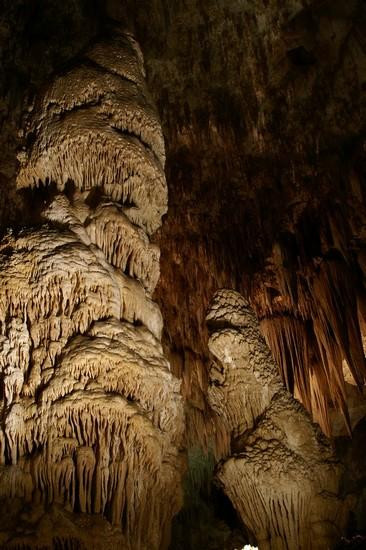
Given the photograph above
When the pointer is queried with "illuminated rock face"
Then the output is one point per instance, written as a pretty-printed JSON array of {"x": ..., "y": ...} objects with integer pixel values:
[
  {"x": 281, "y": 476},
  {"x": 92, "y": 418}
]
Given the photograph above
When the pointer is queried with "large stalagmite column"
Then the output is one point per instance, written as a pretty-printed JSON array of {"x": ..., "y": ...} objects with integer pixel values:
[
  {"x": 91, "y": 417},
  {"x": 282, "y": 475}
]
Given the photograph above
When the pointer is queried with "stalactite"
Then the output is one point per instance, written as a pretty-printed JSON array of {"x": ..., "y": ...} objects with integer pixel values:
[
  {"x": 124, "y": 245},
  {"x": 310, "y": 319}
]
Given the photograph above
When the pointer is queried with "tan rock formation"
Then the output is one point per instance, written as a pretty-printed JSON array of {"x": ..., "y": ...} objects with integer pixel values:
[
  {"x": 282, "y": 477},
  {"x": 263, "y": 109},
  {"x": 92, "y": 418}
]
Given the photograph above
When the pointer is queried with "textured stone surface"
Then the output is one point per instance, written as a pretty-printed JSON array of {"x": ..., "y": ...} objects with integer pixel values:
[
  {"x": 263, "y": 107},
  {"x": 282, "y": 475},
  {"x": 92, "y": 418}
]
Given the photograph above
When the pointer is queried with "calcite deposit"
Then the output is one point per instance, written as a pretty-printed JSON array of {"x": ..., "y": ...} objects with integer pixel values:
[
  {"x": 92, "y": 418},
  {"x": 281, "y": 474},
  {"x": 262, "y": 108}
]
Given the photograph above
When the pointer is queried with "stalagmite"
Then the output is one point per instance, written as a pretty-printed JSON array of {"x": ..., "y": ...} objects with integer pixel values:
[
  {"x": 92, "y": 418},
  {"x": 281, "y": 474}
]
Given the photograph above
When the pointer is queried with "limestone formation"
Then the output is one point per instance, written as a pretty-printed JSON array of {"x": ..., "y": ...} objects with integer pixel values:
[
  {"x": 92, "y": 418},
  {"x": 262, "y": 106},
  {"x": 282, "y": 475}
]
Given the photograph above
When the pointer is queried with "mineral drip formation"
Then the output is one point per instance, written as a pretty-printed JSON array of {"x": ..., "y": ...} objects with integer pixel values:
[
  {"x": 91, "y": 416},
  {"x": 281, "y": 473}
]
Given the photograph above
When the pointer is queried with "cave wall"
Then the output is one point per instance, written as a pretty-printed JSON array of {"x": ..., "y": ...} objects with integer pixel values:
[{"x": 265, "y": 154}]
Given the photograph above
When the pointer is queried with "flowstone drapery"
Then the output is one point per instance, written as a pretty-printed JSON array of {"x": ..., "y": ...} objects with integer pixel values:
[
  {"x": 282, "y": 475},
  {"x": 92, "y": 419}
]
